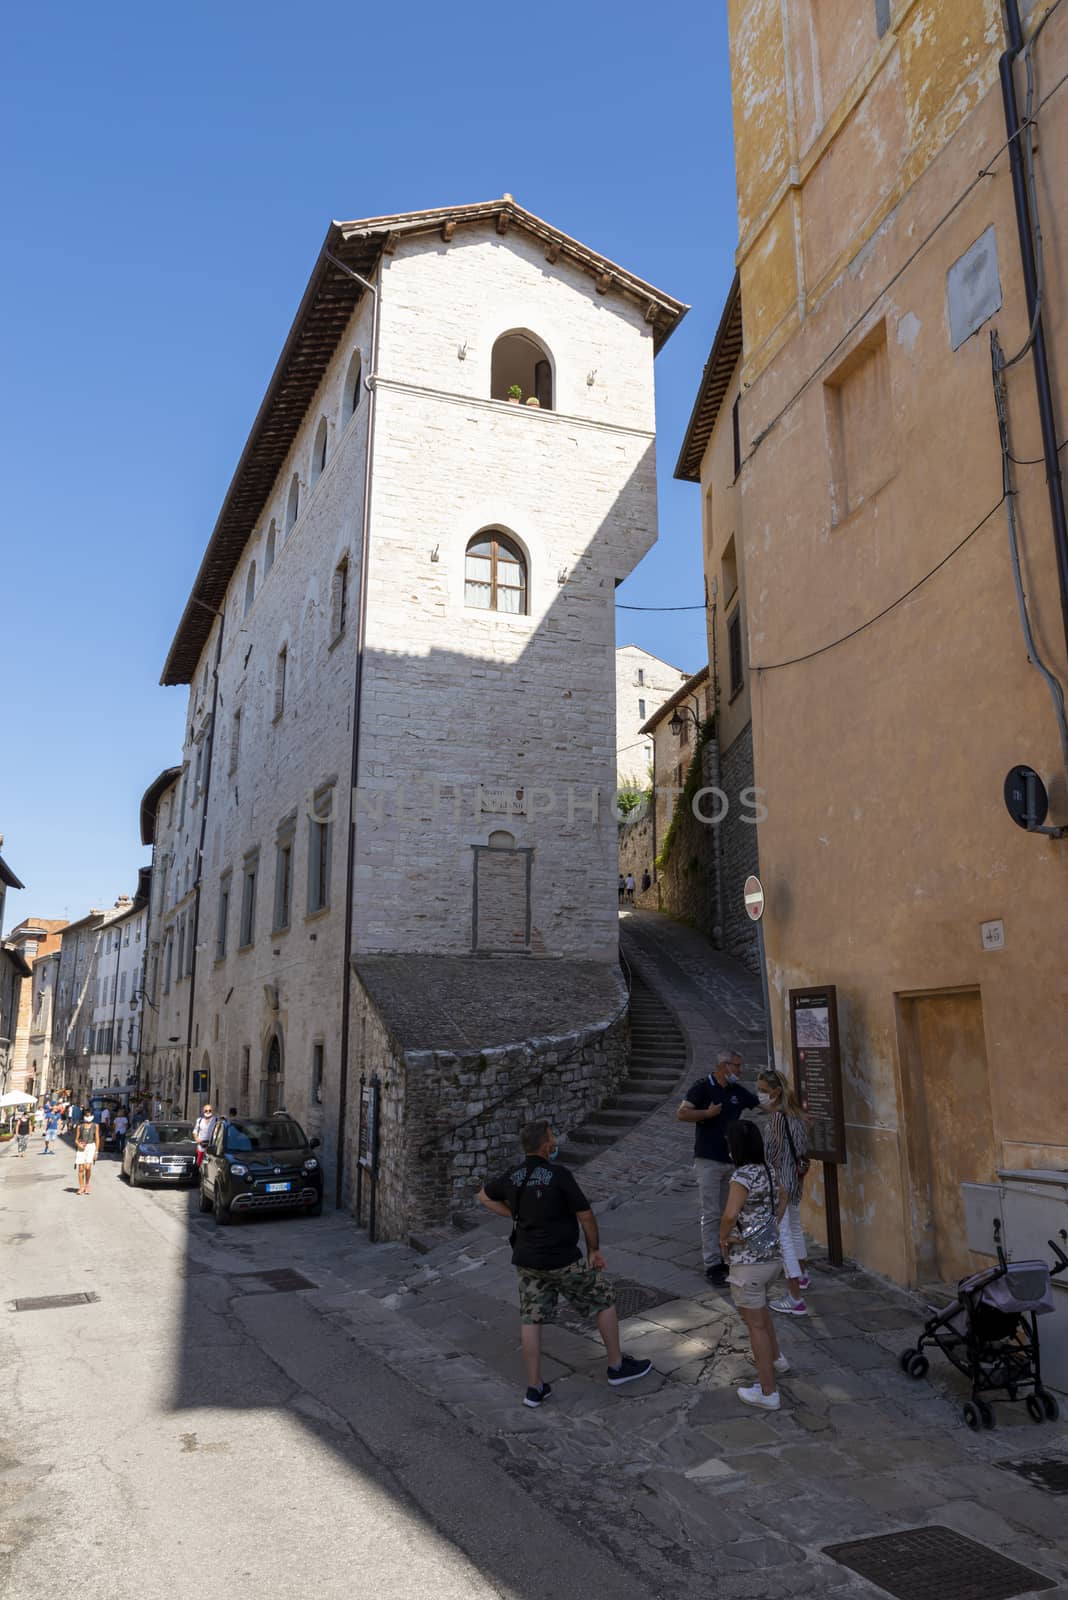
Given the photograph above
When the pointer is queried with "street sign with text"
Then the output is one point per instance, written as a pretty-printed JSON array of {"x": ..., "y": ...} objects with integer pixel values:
[{"x": 753, "y": 894}]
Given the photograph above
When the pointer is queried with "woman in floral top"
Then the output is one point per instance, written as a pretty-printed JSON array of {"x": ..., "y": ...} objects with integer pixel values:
[{"x": 749, "y": 1239}]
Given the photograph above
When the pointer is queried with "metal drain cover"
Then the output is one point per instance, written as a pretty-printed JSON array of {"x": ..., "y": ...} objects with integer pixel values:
[
  {"x": 280, "y": 1280},
  {"x": 631, "y": 1299},
  {"x": 52, "y": 1302},
  {"x": 1042, "y": 1472},
  {"x": 936, "y": 1564}
]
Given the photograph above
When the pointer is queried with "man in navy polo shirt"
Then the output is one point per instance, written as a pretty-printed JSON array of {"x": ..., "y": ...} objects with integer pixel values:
[{"x": 712, "y": 1104}]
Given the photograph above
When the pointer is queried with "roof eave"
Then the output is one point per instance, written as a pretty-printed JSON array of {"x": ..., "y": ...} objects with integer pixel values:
[
  {"x": 722, "y": 360},
  {"x": 681, "y": 693}
]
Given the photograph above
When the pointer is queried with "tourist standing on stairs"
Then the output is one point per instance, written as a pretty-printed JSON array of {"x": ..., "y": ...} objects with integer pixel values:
[
  {"x": 712, "y": 1104},
  {"x": 547, "y": 1208},
  {"x": 786, "y": 1141}
]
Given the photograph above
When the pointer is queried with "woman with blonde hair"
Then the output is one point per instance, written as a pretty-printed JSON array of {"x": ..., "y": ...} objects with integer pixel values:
[{"x": 786, "y": 1141}]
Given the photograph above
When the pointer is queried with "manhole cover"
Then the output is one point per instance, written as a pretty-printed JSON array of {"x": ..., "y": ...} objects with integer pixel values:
[
  {"x": 51, "y": 1302},
  {"x": 936, "y": 1564},
  {"x": 631, "y": 1299},
  {"x": 281, "y": 1280},
  {"x": 1041, "y": 1473}
]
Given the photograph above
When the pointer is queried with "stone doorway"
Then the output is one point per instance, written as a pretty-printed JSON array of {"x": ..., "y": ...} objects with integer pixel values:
[
  {"x": 948, "y": 1123},
  {"x": 274, "y": 1080}
]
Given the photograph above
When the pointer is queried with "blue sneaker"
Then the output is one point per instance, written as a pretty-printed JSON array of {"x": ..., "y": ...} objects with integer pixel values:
[{"x": 538, "y": 1396}]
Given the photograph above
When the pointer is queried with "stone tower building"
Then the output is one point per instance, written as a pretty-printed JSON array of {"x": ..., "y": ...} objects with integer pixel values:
[{"x": 400, "y": 750}]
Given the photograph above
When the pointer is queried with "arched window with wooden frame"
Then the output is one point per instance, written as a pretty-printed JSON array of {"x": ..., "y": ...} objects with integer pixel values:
[{"x": 495, "y": 574}]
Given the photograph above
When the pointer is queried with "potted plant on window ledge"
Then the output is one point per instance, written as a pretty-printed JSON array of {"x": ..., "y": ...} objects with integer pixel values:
[
  {"x": 515, "y": 394},
  {"x": 533, "y": 401}
]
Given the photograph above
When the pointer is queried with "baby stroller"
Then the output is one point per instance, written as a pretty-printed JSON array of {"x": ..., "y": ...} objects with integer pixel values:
[{"x": 990, "y": 1333}]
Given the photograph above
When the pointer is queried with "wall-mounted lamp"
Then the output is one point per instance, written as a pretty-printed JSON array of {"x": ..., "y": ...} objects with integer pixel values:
[
  {"x": 461, "y": 352},
  {"x": 435, "y": 554},
  {"x": 591, "y": 377},
  {"x": 561, "y": 576}
]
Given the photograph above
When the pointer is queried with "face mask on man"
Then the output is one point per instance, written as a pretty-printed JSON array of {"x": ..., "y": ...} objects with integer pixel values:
[{"x": 554, "y": 1152}]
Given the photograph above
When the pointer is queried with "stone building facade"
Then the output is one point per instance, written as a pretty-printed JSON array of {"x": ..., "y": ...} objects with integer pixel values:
[
  {"x": 711, "y": 457},
  {"x": 45, "y": 976},
  {"x": 35, "y": 938},
  {"x": 401, "y": 729},
  {"x": 643, "y": 683},
  {"x": 885, "y": 237},
  {"x": 116, "y": 1003}
]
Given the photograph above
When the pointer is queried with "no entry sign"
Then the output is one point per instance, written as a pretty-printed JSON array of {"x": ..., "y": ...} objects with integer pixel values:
[{"x": 754, "y": 898}]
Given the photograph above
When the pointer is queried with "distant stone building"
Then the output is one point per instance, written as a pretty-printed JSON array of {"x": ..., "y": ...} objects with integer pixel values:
[
  {"x": 400, "y": 743},
  {"x": 87, "y": 962},
  {"x": 643, "y": 683},
  {"x": 35, "y": 938},
  {"x": 115, "y": 1021},
  {"x": 45, "y": 976},
  {"x": 13, "y": 970}
]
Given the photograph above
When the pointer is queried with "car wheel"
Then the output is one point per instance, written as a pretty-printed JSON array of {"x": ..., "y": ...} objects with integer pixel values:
[
  {"x": 223, "y": 1215},
  {"x": 135, "y": 1181},
  {"x": 204, "y": 1200}
]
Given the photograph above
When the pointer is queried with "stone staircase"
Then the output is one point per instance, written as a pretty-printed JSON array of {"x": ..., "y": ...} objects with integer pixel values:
[{"x": 657, "y": 1062}]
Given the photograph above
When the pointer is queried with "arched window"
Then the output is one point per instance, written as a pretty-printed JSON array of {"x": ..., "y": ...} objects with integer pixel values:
[
  {"x": 250, "y": 588},
  {"x": 293, "y": 503},
  {"x": 268, "y": 557},
  {"x": 495, "y": 574},
  {"x": 520, "y": 362},
  {"x": 353, "y": 388},
  {"x": 319, "y": 450}
]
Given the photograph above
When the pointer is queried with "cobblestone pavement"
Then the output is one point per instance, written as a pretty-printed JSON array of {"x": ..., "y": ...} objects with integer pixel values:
[{"x": 693, "y": 1492}]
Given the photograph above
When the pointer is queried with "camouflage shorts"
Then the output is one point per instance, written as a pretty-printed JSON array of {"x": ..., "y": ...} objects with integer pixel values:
[{"x": 586, "y": 1290}]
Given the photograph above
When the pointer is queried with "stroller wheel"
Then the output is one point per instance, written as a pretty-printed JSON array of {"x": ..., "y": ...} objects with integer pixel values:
[
  {"x": 918, "y": 1365},
  {"x": 1035, "y": 1409},
  {"x": 972, "y": 1415},
  {"x": 904, "y": 1360},
  {"x": 987, "y": 1414},
  {"x": 1049, "y": 1405}
]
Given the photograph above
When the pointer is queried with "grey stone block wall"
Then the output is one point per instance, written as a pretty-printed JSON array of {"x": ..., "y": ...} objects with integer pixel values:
[
  {"x": 738, "y": 852},
  {"x": 427, "y": 1170}
]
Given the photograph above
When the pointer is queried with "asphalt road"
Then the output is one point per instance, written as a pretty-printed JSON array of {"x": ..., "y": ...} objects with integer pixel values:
[{"x": 189, "y": 1427}]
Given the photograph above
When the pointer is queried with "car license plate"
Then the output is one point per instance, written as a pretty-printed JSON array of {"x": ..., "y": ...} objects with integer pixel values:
[
  {"x": 175, "y": 1172},
  {"x": 279, "y": 1188}
]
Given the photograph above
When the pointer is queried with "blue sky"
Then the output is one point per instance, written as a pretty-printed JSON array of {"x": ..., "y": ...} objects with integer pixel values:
[{"x": 171, "y": 176}]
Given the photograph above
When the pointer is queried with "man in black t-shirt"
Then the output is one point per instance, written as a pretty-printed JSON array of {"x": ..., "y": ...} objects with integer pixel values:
[
  {"x": 712, "y": 1104},
  {"x": 547, "y": 1209}
]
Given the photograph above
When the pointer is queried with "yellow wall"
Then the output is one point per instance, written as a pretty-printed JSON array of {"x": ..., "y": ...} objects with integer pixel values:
[{"x": 871, "y": 449}]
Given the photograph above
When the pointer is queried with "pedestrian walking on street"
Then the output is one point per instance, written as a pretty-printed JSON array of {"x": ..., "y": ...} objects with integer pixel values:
[
  {"x": 749, "y": 1238},
  {"x": 122, "y": 1127},
  {"x": 622, "y": 887},
  {"x": 23, "y": 1125},
  {"x": 547, "y": 1209},
  {"x": 647, "y": 882},
  {"x": 630, "y": 888},
  {"x": 713, "y": 1104},
  {"x": 786, "y": 1141},
  {"x": 202, "y": 1130},
  {"x": 51, "y": 1131},
  {"x": 86, "y": 1150}
]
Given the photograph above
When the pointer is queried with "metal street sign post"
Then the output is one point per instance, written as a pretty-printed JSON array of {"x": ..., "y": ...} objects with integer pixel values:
[
  {"x": 753, "y": 896},
  {"x": 818, "y": 1078}
]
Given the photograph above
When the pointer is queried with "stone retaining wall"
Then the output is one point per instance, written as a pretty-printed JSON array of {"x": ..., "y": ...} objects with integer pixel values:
[{"x": 426, "y": 1172}]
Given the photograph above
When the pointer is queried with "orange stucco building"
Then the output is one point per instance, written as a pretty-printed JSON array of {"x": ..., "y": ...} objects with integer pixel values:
[{"x": 890, "y": 681}]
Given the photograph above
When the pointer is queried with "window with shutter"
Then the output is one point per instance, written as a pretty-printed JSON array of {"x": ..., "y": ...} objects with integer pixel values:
[
  {"x": 280, "y": 683},
  {"x": 734, "y": 643},
  {"x": 235, "y": 740},
  {"x": 248, "y": 903},
  {"x": 339, "y": 598}
]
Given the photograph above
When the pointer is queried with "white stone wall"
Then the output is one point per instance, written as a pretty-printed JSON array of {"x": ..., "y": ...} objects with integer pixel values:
[{"x": 643, "y": 684}]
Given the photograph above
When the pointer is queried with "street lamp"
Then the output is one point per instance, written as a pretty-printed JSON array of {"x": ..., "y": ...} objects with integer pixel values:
[{"x": 677, "y": 724}]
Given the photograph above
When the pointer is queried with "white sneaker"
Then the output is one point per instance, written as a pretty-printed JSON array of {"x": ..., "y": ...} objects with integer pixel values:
[
  {"x": 753, "y": 1395},
  {"x": 781, "y": 1364}
]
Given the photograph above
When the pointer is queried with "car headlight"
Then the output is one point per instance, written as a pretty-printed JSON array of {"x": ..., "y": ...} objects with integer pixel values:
[
  {"x": 237, "y": 1170},
  {"x": 149, "y": 1160},
  {"x": 310, "y": 1166}
]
